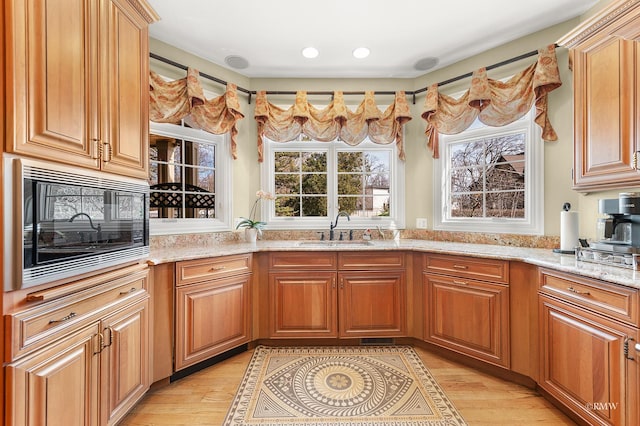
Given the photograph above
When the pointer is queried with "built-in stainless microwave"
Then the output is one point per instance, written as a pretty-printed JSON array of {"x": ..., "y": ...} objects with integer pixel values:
[{"x": 62, "y": 221}]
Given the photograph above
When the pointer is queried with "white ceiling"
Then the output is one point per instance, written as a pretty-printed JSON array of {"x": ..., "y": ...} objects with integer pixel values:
[{"x": 270, "y": 34}]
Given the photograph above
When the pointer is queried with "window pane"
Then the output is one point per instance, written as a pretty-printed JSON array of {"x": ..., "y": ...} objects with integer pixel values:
[
  {"x": 464, "y": 180},
  {"x": 505, "y": 204},
  {"x": 377, "y": 161},
  {"x": 287, "y": 162},
  {"x": 350, "y": 184},
  {"x": 287, "y": 184},
  {"x": 465, "y": 154},
  {"x": 314, "y": 184},
  {"x": 467, "y": 205},
  {"x": 314, "y": 206},
  {"x": 350, "y": 162},
  {"x": 504, "y": 177},
  {"x": 287, "y": 206},
  {"x": 182, "y": 178},
  {"x": 351, "y": 205},
  {"x": 314, "y": 162}
]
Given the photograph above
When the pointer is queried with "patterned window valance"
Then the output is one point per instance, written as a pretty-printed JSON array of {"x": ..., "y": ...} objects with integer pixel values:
[
  {"x": 494, "y": 102},
  {"x": 332, "y": 122},
  {"x": 172, "y": 101}
]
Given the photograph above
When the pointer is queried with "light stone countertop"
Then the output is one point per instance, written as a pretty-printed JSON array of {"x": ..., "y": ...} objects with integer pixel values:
[{"x": 540, "y": 257}]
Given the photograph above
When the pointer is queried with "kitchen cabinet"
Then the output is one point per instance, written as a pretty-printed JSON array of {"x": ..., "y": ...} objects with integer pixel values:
[
  {"x": 605, "y": 61},
  {"x": 88, "y": 367},
  {"x": 463, "y": 313},
  {"x": 587, "y": 359},
  {"x": 77, "y": 82},
  {"x": 212, "y": 307},
  {"x": 329, "y": 294}
]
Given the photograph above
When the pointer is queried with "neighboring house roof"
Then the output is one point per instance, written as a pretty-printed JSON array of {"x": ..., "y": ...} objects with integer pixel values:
[{"x": 516, "y": 163}]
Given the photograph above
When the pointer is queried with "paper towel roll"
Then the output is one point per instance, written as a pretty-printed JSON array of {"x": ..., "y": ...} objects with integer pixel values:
[{"x": 568, "y": 230}]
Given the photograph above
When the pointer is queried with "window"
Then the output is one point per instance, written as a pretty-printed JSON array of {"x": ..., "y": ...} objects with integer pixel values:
[
  {"x": 491, "y": 179},
  {"x": 189, "y": 180},
  {"x": 313, "y": 181}
]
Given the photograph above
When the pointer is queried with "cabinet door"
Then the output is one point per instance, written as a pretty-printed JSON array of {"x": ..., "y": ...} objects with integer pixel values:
[
  {"x": 211, "y": 318},
  {"x": 51, "y": 77},
  {"x": 303, "y": 304},
  {"x": 58, "y": 385},
  {"x": 468, "y": 316},
  {"x": 124, "y": 360},
  {"x": 124, "y": 118},
  {"x": 372, "y": 304},
  {"x": 583, "y": 363},
  {"x": 604, "y": 109}
]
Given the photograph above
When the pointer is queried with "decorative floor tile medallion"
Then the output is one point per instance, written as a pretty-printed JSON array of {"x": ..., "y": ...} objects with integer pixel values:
[{"x": 324, "y": 386}]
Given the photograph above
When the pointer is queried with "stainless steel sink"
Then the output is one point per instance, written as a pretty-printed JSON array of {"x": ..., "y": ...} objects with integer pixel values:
[{"x": 335, "y": 243}]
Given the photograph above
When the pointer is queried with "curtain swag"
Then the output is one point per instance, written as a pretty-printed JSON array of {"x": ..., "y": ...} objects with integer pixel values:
[
  {"x": 493, "y": 102},
  {"x": 332, "y": 122},
  {"x": 183, "y": 99}
]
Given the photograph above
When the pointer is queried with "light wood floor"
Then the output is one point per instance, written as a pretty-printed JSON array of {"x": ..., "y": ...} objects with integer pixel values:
[{"x": 204, "y": 397}]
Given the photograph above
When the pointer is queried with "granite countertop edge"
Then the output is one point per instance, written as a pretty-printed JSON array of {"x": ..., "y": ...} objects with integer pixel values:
[{"x": 535, "y": 256}]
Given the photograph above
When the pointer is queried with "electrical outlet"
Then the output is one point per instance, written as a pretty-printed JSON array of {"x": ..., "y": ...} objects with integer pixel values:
[{"x": 421, "y": 223}]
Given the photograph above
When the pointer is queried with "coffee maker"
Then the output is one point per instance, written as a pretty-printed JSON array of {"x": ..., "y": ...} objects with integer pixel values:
[{"x": 619, "y": 232}]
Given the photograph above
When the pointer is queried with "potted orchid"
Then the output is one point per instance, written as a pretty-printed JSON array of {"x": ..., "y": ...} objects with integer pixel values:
[{"x": 252, "y": 226}]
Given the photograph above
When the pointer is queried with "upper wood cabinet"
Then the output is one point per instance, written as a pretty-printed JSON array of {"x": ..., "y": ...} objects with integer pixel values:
[
  {"x": 77, "y": 82},
  {"x": 603, "y": 55}
]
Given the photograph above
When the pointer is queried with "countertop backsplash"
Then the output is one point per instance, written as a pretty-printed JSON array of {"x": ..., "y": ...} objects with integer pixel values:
[{"x": 159, "y": 242}]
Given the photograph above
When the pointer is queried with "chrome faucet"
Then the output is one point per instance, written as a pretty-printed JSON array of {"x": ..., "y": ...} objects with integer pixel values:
[{"x": 333, "y": 225}]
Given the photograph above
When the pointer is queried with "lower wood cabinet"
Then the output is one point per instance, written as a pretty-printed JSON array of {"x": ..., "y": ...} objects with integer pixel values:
[
  {"x": 212, "y": 307},
  {"x": 588, "y": 362},
  {"x": 372, "y": 304},
  {"x": 468, "y": 316},
  {"x": 328, "y": 294},
  {"x": 59, "y": 385},
  {"x": 96, "y": 365},
  {"x": 303, "y": 304},
  {"x": 584, "y": 364}
]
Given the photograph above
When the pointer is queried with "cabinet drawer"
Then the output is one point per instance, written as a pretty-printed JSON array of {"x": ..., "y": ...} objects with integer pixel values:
[
  {"x": 469, "y": 267},
  {"x": 608, "y": 299},
  {"x": 193, "y": 271},
  {"x": 366, "y": 260},
  {"x": 302, "y": 260},
  {"x": 33, "y": 328}
]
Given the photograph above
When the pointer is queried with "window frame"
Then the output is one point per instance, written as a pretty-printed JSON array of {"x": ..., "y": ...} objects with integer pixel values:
[
  {"x": 533, "y": 223},
  {"x": 396, "y": 218},
  {"x": 223, "y": 186}
]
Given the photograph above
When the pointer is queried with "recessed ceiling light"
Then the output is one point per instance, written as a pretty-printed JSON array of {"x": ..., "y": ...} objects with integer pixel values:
[
  {"x": 361, "y": 52},
  {"x": 310, "y": 52},
  {"x": 237, "y": 62}
]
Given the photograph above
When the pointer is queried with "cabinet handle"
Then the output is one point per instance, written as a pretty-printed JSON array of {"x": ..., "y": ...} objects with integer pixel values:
[
  {"x": 637, "y": 347},
  {"x": 217, "y": 268},
  {"x": 110, "y": 330},
  {"x": 333, "y": 283},
  {"x": 460, "y": 267},
  {"x": 63, "y": 319},
  {"x": 100, "y": 344},
  {"x": 626, "y": 347},
  {"x": 460, "y": 282},
  {"x": 96, "y": 149},
  {"x": 122, "y": 293},
  {"x": 573, "y": 290},
  {"x": 106, "y": 152},
  {"x": 634, "y": 162},
  {"x": 341, "y": 283}
]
